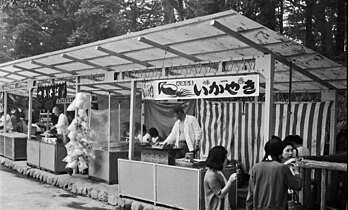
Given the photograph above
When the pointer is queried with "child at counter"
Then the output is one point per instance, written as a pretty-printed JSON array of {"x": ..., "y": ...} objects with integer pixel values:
[{"x": 152, "y": 136}]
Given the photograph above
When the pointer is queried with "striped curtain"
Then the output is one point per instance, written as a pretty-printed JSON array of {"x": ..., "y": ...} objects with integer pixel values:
[{"x": 238, "y": 127}]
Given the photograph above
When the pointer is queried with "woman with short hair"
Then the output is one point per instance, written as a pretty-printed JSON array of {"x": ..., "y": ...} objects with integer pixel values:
[{"x": 216, "y": 186}]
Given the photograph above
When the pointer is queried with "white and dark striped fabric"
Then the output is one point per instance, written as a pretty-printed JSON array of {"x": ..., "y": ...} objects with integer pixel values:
[{"x": 238, "y": 127}]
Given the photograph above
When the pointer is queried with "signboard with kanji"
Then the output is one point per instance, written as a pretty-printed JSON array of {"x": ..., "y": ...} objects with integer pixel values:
[
  {"x": 208, "y": 87},
  {"x": 47, "y": 95}
]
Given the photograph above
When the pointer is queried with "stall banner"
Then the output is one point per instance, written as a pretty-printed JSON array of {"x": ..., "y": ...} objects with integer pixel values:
[
  {"x": 19, "y": 101},
  {"x": 207, "y": 87},
  {"x": 47, "y": 95}
]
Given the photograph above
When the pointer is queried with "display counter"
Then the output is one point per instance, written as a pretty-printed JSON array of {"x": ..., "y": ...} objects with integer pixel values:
[
  {"x": 47, "y": 153},
  {"x": 104, "y": 166},
  {"x": 13, "y": 145},
  {"x": 52, "y": 155},
  {"x": 173, "y": 186},
  {"x": 33, "y": 152}
]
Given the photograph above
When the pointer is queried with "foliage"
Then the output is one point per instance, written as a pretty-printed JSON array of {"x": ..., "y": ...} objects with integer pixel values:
[{"x": 33, "y": 27}]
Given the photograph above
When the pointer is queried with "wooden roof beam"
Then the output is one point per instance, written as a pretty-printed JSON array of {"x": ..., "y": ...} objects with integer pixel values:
[
  {"x": 168, "y": 49},
  {"x": 265, "y": 50},
  {"x": 52, "y": 67},
  {"x": 10, "y": 72},
  {"x": 86, "y": 62},
  {"x": 143, "y": 63}
]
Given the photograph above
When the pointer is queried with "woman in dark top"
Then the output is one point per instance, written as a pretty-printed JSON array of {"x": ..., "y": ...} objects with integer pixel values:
[{"x": 270, "y": 180}]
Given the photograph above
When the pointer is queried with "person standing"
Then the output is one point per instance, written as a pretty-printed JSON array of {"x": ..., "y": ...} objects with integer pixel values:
[
  {"x": 299, "y": 149},
  {"x": 62, "y": 124},
  {"x": 216, "y": 186},
  {"x": 186, "y": 132},
  {"x": 270, "y": 179},
  {"x": 5, "y": 122}
]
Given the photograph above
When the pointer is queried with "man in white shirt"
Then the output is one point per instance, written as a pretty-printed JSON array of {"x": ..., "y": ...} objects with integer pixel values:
[
  {"x": 62, "y": 124},
  {"x": 186, "y": 132},
  {"x": 8, "y": 124}
]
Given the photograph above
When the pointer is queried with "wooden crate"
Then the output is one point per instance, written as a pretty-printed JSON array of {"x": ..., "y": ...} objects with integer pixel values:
[
  {"x": 51, "y": 157},
  {"x": 33, "y": 152},
  {"x": 15, "y": 146}
]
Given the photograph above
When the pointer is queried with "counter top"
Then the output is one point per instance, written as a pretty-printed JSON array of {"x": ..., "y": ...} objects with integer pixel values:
[{"x": 15, "y": 135}]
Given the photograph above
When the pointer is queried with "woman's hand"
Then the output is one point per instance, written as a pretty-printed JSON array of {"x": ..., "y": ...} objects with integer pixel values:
[{"x": 233, "y": 177}]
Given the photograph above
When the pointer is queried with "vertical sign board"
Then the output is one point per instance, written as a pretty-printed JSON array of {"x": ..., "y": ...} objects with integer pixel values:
[{"x": 207, "y": 87}]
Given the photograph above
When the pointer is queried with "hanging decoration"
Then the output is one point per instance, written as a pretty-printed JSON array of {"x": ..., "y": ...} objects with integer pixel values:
[
  {"x": 47, "y": 95},
  {"x": 79, "y": 148}
]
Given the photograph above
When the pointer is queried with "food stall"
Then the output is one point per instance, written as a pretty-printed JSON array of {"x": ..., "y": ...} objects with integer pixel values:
[{"x": 220, "y": 45}]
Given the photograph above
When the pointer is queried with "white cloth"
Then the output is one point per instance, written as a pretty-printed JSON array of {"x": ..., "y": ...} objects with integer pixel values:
[
  {"x": 192, "y": 132},
  {"x": 62, "y": 124},
  {"x": 8, "y": 122}
]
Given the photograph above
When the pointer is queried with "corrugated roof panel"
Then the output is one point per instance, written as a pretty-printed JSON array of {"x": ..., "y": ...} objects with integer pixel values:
[
  {"x": 16, "y": 77},
  {"x": 74, "y": 66},
  {"x": 28, "y": 73},
  {"x": 87, "y": 53},
  {"x": 47, "y": 71}
]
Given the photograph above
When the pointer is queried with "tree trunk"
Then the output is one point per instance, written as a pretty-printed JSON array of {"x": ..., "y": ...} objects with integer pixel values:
[
  {"x": 322, "y": 27},
  {"x": 267, "y": 15},
  {"x": 281, "y": 28},
  {"x": 309, "y": 38},
  {"x": 168, "y": 9},
  {"x": 340, "y": 33},
  {"x": 180, "y": 10}
]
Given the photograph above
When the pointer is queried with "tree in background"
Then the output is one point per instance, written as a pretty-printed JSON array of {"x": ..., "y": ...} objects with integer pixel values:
[
  {"x": 31, "y": 27},
  {"x": 35, "y": 27}
]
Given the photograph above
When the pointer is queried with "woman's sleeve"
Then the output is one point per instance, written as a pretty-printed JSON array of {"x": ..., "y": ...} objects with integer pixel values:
[
  {"x": 215, "y": 186},
  {"x": 292, "y": 181}
]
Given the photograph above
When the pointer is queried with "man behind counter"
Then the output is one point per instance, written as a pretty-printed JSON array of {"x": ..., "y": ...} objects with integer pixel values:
[
  {"x": 186, "y": 132},
  {"x": 62, "y": 124}
]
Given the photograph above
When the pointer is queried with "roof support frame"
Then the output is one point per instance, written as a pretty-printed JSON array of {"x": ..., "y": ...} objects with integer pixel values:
[
  {"x": 52, "y": 67},
  {"x": 264, "y": 50},
  {"x": 86, "y": 62},
  {"x": 168, "y": 49},
  {"x": 120, "y": 55}
]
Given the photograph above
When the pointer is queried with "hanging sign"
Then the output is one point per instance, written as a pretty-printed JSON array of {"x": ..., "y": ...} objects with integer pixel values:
[
  {"x": 208, "y": 87},
  {"x": 47, "y": 95},
  {"x": 67, "y": 100}
]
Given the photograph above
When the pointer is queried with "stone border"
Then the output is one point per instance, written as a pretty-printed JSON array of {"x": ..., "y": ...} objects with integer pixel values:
[{"x": 83, "y": 190}]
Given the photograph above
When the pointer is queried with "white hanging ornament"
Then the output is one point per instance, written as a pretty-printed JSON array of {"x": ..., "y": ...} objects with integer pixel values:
[
  {"x": 81, "y": 96},
  {"x": 82, "y": 113},
  {"x": 72, "y": 106},
  {"x": 80, "y": 103}
]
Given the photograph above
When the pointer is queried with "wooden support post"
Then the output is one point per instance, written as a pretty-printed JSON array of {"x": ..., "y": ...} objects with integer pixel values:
[
  {"x": 109, "y": 122},
  {"x": 131, "y": 120},
  {"x": 307, "y": 193},
  {"x": 323, "y": 189},
  {"x": 331, "y": 95},
  {"x": 265, "y": 65},
  {"x": 5, "y": 111},
  {"x": 77, "y": 89},
  {"x": 30, "y": 112}
]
